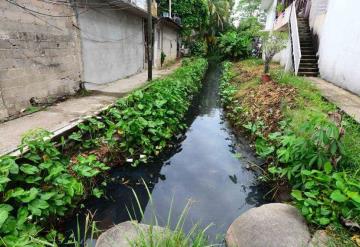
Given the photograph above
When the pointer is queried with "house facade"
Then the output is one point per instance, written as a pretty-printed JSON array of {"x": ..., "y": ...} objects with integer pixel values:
[
  {"x": 167, "y": 40},
  {"x": 48, "y": 48},
  {"x": 324, "y": 38}
]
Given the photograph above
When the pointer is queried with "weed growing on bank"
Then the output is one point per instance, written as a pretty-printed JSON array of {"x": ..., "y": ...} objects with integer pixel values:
[{"x": 310, "y": 145}]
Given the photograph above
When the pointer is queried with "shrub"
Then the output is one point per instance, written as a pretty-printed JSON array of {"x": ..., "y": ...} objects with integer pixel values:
[
  {"x": 235, "y": 45},
  {"x": 198, "y": 48}
]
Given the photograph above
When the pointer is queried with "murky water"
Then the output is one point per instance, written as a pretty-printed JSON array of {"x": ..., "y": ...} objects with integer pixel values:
[{"x": 201, "y": 167}]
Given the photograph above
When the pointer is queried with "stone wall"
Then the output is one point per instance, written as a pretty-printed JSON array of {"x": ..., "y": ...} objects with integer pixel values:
[
  {"x": 113, "y": 45},
  {"x": 39, "y": 53}
]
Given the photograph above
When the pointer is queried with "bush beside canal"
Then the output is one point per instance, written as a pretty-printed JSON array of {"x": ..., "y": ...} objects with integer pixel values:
[
  {"x": 311, "y": 149},
  {"x": 50, "y": 178}
]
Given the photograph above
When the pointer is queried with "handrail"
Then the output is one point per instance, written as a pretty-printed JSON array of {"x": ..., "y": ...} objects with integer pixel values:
[{"x": 295, "y": 38}]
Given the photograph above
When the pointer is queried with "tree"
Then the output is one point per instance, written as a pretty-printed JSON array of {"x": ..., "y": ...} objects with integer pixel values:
[
  {"x": 220, "y": 12},
  {"x": 250, "y": 8},
  {"x": 194, "y": 14},
  {"x": 272, "y": 43}
]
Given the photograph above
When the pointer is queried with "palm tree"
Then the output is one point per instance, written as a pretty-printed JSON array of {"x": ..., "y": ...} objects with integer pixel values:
[{"x": 220, "y": 12}]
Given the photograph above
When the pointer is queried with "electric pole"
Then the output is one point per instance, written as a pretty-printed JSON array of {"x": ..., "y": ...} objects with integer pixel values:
[
  {"x": 170, "y": 14},
  {"x": 150, "y": 41}
]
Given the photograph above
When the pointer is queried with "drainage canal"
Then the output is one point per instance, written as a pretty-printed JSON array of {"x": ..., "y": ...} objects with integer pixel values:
[{"x": 208, "y": 165}]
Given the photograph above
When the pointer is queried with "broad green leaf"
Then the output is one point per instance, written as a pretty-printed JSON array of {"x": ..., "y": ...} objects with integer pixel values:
[
  {"x": 297, "y": 194},
  {"x": 354, "y": 196},
  {"x": 4, "y": 214},
  {"x": 338, "y": 196},
  {"x": 29, "y": 169},
  {"x": 22, "y": 215},
  {"x": 38, "y": 203},
  {"x": 14, "y": 193},
  {"x": 309, "y": 184},
  {"x": 4, "y": 179},
  {"x": 328, "y": 167},
  {"x": 324, "y": 221},
  {"x": 6, "y": 207},
  {"x": 29, "y": 195}
]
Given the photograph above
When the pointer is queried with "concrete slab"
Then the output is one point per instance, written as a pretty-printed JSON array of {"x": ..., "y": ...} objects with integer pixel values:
[
  {"x": 346, "y": 101},
  {"x": 64, "y": 115}
]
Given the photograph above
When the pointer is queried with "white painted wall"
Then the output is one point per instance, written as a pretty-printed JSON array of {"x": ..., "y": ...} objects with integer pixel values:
[
  {"x": 337, "y": 24},
  {"x": 112, "y": 44}
]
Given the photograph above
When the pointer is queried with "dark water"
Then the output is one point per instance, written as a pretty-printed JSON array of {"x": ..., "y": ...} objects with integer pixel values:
[{"x": 201, "y": 167}]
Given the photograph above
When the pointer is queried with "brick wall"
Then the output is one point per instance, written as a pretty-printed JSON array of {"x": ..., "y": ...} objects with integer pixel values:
[{"x": 39, "y": 54}]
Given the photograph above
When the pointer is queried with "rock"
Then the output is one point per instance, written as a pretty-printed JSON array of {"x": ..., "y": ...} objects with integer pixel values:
[
  {"x": 121, "y": 234},
  {"x": 320, "y": 239},
  {"x": 271, "y": 225}
]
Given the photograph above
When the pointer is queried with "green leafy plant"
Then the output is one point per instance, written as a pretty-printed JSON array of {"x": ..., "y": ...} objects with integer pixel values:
[
  {"x": 198, "y": 48},
  {"x": 234, "y": 44},
  {"x": 307, "y": 152},
  {"x": 162, "y": 58}
]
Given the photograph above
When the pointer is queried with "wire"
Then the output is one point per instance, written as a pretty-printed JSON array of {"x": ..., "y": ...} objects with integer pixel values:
[
  {"x": 87, "y": 34},
  {"x": 40, "y": 13}
]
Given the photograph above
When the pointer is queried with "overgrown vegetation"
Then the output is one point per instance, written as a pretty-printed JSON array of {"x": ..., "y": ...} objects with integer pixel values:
[
  {"x": 310, "y": 147},
  {"x": 50, "y": 178}
]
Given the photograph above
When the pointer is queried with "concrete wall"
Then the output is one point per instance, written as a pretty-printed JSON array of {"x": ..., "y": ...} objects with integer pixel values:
[
  {"x": 166, "y": 39},
  {"x": 39, "y": 55},
  {"x": 337, "y": 26},
  {"x": 112, "y": 44}
]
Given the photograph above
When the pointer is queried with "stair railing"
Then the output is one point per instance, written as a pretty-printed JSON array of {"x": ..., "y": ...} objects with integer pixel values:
[{"x": 295, "y": 37}]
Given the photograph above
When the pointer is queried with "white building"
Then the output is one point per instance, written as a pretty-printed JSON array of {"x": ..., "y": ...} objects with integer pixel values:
[
  {"x": 324, "y": 38},
  {"x": 167, "y": 40}
]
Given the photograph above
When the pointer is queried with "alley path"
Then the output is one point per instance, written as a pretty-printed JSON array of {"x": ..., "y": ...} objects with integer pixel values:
[
  {"x": 65, "y": 115},
  {"x": 346, "y": 101}
]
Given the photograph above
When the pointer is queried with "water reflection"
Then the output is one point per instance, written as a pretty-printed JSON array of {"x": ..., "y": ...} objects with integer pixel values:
[{"x": 201, "y": 167}]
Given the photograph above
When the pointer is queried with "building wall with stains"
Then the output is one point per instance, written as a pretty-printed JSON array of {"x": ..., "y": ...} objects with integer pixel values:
[
  {"x": 113, "y": 45},
  {"x": 39, "y": 53},
  {"x": 166, "y": 40}
]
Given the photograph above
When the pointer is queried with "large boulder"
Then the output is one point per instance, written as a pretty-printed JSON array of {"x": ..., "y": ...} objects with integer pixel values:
[
  {"x": 121, "y": 234},
  {"x": 271, "y": 225}
]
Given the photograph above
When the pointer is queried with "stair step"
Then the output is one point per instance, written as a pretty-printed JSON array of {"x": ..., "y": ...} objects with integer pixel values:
[
  {"x": 309, "y": 74},
  {"x": 308, "y": 61},
  {"x": 308, "y": 70},
  {"x": 307, "y": 50},
  {"x": 308, "y": 53},
  {"x": 308, "y": 57},
  {"x": 308, "y": 66},
  {"x": 311, "y": 46}
]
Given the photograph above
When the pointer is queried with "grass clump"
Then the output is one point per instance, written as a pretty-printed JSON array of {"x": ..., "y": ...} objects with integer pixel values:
[
  {"x": 308, "y": 144},
  {"x": 167, "y": 236}
]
